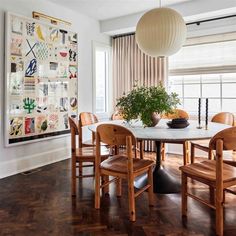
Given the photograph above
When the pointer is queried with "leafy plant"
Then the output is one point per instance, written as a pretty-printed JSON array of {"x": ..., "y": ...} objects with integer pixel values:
[{"x": 141, "y": 102}]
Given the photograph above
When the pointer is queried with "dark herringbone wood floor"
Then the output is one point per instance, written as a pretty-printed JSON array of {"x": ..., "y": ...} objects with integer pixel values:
[{"x": 41, "y": 204}]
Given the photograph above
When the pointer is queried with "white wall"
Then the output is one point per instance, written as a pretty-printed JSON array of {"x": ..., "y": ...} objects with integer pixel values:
[{"x": 24, "y": 157}]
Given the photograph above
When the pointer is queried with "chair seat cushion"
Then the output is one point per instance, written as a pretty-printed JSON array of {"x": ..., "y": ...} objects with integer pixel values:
[
  {"x": 207, "y": 170},
  {"x": 90, "y": 152},
  {"x": 203, "y": 143},
  {"x": 119, "y": 164}
]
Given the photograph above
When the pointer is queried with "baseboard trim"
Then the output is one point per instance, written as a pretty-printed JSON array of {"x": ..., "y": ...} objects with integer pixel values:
[
  {"x": 19, "y": 165},
  {"x": 174, "y": 153},
  {"x": 198, "y": 154}
]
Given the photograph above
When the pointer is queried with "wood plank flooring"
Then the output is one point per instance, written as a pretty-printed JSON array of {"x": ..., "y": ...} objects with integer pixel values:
[{"x": 41, "y": 204}]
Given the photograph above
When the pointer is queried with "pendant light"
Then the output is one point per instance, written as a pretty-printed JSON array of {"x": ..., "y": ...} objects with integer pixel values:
[{"x": 161, "y": 32}]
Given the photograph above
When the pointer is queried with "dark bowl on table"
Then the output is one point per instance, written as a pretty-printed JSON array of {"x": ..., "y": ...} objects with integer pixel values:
[{"x": 178, "y": 123}]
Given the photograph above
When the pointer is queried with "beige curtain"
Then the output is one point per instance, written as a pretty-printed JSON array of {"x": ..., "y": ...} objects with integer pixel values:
[{"x": 131, "y": 66}]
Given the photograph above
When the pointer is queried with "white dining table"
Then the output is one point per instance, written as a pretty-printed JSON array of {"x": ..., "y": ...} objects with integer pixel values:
[{"x": 163, "y": 181}]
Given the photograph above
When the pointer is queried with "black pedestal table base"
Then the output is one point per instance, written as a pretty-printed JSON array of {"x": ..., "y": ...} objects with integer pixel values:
[{"x": 163, "y": 182}]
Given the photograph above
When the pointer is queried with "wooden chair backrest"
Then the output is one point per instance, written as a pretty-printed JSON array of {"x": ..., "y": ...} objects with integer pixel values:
[
  {"x": 117, "y": 116},
  {"x": 114, "y": 135},
  {"x": 178, "y": 113},
  {"x": 87, "y": 118},
  {"x": 228, "y": 136},
  {"x": 74, "y": 132},
  {"x": 224, "y": 118},
  {"x": 223, "y": 140}
]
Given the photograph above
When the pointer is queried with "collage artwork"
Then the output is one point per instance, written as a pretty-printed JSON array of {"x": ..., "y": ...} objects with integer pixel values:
[{"x": 41, "y": 79}]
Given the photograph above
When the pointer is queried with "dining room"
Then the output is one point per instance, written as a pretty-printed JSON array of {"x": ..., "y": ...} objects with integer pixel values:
[{"x": 118, "y": 117}]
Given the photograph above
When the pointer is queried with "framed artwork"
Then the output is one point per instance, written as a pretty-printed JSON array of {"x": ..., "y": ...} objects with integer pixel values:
[{"x": 41, "y": 80}]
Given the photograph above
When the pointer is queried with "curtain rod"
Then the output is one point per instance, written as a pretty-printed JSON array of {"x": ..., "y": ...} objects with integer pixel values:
[
  {"x": 211, "y": 19},
  {"x": 190, "y": 23}
]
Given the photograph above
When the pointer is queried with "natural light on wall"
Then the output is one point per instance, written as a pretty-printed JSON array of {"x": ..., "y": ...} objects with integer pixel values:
[{"x": 101, "y": 81}]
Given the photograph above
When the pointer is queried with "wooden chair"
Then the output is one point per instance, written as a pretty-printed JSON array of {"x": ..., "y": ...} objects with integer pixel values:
[
  {"x": 81, "y": 155},
  {"x": 215, "y": 173},
  {"x": 223, "y": 118},
  {"x": 121, "y": 166},
  {"x": 118, "y": 116},
  {"x": 177, "y": 114},
  {"x": 86, "y": 118}
]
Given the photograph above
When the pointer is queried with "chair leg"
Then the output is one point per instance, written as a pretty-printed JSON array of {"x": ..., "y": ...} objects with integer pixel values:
[
  {"x": 186, "y": 153},
  {"x": 150, "y": 189},
  {"x": 80, "y": 168},
  {"x": 192, "y": 153},
  {"x": 135, "y": 153},
  {"x": 105, "y": 190},
  {"x": 219, "y": 210},
  {"x": 73, "y": 176},
  {"x": 97, "y": 189},
  {"x": 116, "y": 150},
  {"x": 132, "y": 215},
  {"x": 219, "y": 214},
  {"x": 163, "y": 151},
  {"x": 184, "y": 194},
  {"x": 141, "y": 149},
  {"x": 119, "y": 187}
]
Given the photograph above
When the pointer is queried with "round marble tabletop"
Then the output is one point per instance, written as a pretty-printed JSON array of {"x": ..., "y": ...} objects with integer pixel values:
[{"x": 161, "y": 132}]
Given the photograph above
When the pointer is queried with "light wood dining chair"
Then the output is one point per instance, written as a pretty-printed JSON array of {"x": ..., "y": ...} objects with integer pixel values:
[
  {"x": 121, "y": 166},
  {"x": 178, "y": 113},
  {"x": 85, "y": 119},
  {"x": 214, "y": 173},
  {"x": 223, "y": 118},
  {"x": 81, "y": 155},
  {"x": 117, "y": 115}
]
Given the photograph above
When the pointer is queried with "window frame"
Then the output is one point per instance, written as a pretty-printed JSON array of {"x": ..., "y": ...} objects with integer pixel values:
[
  {"x": 221, "y": 98},
  {"x": 97, "y": 46}
]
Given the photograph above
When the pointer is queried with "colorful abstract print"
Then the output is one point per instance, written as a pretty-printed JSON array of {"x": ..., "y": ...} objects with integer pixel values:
[{"x": 42, "y": 67}]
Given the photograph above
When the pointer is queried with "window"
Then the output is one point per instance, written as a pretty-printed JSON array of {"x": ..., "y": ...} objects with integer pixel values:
[
  {"x": 205, "y": 71},
  {"x": 219, "y": 88},
  {"x": 101, "y": 78}
]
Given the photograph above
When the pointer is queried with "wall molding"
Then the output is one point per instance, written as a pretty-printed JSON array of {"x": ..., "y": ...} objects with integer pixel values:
[
  {"x": 198, "y": 153},
  {"x": 19, "y": 165}
]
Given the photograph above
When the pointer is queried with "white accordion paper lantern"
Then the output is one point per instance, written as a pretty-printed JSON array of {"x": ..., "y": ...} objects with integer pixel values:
[{"x": 161, "y": 32}]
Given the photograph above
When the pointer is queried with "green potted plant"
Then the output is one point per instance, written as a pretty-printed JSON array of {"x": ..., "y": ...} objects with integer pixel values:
[{"x": 147, "y": 104}]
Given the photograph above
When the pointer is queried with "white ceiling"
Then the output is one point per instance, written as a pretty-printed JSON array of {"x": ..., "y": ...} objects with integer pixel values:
[{"x": 107, "y": 9}]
